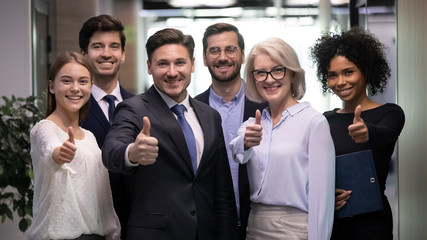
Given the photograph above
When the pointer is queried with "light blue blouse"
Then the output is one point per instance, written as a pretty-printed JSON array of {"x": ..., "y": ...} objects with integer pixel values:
[{"x": 294, "y": 165}]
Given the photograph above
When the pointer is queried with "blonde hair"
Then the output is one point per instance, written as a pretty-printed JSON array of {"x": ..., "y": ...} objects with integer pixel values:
[{"x": 282, "y": 53}]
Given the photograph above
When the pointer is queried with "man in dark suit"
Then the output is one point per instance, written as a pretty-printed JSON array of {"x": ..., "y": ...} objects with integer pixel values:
[
  {"x": 182, "y": 182},
  {"x": 223, "y": 54},
  {"x": 102, "y": 41}
]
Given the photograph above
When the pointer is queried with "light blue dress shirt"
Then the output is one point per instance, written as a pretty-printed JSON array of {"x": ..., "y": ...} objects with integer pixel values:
[
  {"x": 232, "y": 116},
  {"x": 294, "y": 165}
]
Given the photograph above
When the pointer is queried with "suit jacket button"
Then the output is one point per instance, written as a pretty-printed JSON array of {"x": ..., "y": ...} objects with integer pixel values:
[{"x": 193, "y": 212}]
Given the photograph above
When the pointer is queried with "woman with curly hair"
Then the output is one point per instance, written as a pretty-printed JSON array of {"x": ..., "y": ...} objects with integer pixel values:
[{"x": 348, "y": 63}]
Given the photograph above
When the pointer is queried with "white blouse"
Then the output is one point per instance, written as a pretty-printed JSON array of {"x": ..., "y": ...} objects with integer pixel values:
[
  {"x": 294, "y": 165},
  {"x": 69, "y": 199}
]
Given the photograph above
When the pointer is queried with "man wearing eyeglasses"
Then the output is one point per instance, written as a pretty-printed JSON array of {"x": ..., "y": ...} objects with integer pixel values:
[{"x": 223, "y": 54}]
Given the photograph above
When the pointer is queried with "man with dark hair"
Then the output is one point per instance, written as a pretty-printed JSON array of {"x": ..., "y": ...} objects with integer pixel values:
[
  {"x": 223, "y": 54},
  {"x": 171, "y": 145},
  {"x": 102, "y": 41}
]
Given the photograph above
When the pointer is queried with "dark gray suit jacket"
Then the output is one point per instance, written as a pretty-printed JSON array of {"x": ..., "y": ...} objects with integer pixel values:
[
  {"x": 168, "y": 201},
  {"x": 249, "y": 111}
]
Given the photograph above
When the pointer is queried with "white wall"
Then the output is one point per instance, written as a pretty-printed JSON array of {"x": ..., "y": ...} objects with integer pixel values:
[
  {"x": 15, "y": 48},
  {"x": 15, "y": 69}
]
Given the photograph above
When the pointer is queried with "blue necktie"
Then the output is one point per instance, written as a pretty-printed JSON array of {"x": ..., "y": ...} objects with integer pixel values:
[
  {"x": 188, "y": 133},
  {"x": 111, "y": 106}
]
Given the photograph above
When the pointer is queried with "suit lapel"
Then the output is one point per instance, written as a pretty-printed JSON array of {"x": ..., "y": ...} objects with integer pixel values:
[
  {"x": 96, "y": 111},
  {"x": 164, "y": 115},
  {"x": 125, "y": 94},
  {"x": 204, "y": 122},
  {"x": 97, "y": 114}
]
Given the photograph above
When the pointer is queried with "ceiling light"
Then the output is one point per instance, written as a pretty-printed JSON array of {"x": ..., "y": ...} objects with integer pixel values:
[{"x": 200, "y": 3}]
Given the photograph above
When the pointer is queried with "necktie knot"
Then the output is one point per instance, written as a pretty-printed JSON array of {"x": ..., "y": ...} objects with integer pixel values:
[
  {"x": 110, "y": 99},
  {"x": 178, "y": 109},
  {"x": 111, "y": 106}
]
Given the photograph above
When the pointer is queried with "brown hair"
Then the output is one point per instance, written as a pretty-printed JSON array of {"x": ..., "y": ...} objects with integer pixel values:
[
  {"x": 101, "y": 23},
  {"x": 169, "y": 36},
  {"x": 60, "y": 61},
  {"x": 218, "y": 28}
]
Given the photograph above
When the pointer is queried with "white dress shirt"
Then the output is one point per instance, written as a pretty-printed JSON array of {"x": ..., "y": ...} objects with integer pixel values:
[
  {"x": 191, "y": 118},
  {"x": 99, "y": 95},
  {"x": 294, "y": 165}
]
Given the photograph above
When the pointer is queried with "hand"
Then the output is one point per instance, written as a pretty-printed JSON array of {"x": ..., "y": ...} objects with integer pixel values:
[
  {"x": 253, "y": 132},
  {"x": 341, "y": 198},
  {"x": 358, "y": 131},
  {"x": 145, "y": 148},
  {"x": 66, "y": 152}
]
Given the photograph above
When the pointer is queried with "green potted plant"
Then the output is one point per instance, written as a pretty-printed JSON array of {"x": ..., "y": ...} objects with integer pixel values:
[{"x": 17, "y": 117}]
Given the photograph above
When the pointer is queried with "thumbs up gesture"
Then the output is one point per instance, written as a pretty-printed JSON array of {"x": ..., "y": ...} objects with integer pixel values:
[
  {"x": 253, "y": 132},
  {"x": 145, "y": 148},
  {"x": 65, "y": 153},
  {"x": 358, "y": 131}
]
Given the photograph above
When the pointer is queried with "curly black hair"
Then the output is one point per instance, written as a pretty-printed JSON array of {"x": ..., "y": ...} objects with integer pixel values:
[{"x": 358, "y": 46}]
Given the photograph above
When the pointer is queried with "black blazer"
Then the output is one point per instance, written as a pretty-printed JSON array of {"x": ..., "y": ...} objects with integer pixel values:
[
  {"x": 168, "y": 201},
  {"x": 249, "y": 111},
  {"x": 96, "y": 122}
]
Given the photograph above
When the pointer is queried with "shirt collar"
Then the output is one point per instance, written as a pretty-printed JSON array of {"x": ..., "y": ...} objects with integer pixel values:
[
  {"x": 295, "y": 109},
  {"x": 98, "y": 93},
  {"x": 170, "y": 102},
  {"x": 219, "y": 100},
  {"x": 291, "y": 111}
]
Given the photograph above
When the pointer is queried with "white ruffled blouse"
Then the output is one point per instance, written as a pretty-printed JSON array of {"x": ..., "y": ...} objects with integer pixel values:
[{"x": 69, "y": 199}]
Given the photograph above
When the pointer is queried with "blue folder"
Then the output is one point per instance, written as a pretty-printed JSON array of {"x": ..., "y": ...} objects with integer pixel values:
[{"x": 356, "y": 172}]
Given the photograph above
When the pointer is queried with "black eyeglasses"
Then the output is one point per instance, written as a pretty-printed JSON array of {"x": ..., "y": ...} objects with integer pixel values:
[
  {"x": 231, "y": 51},
  {"x": 275, "y": 73}
]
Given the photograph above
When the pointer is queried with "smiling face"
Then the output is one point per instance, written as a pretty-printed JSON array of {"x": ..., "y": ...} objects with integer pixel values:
[
  {"x": 224, "y": 68},
  {"x": 71, "y": 87},
  {"x": 346, "y": 80},
  {"x": 105, "y": 54},
  {"x": 277, "y": 93},
  {"x": 171, "y": 68}
]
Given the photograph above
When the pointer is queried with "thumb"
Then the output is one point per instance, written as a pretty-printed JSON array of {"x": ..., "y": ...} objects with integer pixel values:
[
  {"x": 146, "y": 126},
  {"x": 357, "y": 112},
  {"x": 71, "y": 134},
  {"x": 257, "y": 117}
]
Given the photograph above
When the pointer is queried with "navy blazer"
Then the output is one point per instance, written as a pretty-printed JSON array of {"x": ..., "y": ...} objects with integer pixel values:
[
  {"x": 244, "y": 193},
  {"x": 96, "y": 122},
  {"x": 169, "y": 201}
]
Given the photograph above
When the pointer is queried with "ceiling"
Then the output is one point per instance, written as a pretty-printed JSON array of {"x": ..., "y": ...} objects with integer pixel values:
[{"x": 165, "y": 4}]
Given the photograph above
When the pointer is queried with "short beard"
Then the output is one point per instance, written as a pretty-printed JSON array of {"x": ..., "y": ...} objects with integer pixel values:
[{"x": 224, "y": 79}]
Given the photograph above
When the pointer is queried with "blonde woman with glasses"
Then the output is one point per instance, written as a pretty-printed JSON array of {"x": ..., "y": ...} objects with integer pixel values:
[{"x": 288, "y": 149}]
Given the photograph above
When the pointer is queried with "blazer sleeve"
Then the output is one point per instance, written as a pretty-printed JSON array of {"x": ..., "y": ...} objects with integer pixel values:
[
  {"x": 126, "y": 127},
  {"x": 225, "y": 208}
]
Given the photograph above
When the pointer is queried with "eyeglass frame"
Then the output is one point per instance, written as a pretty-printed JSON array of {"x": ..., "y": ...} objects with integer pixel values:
[
  {"x": 218, "y": 53},
  {"x": 269, "y": 72}
]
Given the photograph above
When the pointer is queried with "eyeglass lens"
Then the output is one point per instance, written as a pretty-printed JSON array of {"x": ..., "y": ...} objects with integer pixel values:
[
  {"x": 231, "y": 51},
  {"x": 276, "y": 74}
]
